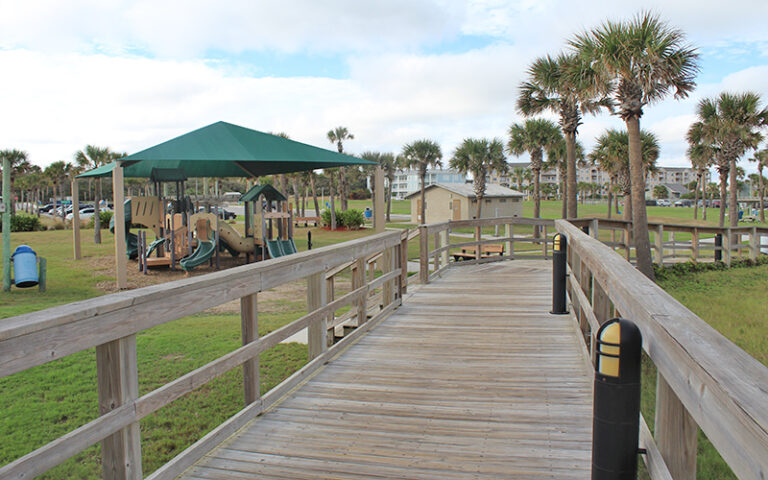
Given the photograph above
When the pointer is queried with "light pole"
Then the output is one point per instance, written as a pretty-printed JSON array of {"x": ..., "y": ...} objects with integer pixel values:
[{"x": 5, "y": 208}]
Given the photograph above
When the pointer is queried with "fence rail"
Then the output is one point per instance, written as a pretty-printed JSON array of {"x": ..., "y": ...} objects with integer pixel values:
[
  {"x": 704, "y": 380},
  {"x": 110, "y": 324}
]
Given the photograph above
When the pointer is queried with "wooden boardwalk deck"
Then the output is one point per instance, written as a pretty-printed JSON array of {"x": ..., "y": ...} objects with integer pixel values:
[{"x": 470, "y": 378}]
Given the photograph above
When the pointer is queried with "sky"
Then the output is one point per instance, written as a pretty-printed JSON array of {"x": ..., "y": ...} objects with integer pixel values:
[{"x": 131, "y": 74}]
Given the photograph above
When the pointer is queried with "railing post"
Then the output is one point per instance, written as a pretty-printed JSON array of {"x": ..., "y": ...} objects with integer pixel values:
[
  {"x": 404, "y": 264},
  {"x": 727, "y": 245},
  {"x": 249, "y": 326},
  {"x": 627, "y": 242},
  {"x": 675, "y": 432},
  {"x": 444, "y": 241},
  {"x": 509, "y": 232},
  {"x": 388, "y": 290},
  {"x": 544, "y": 243},
  {"x": 594, "y": 227},
  {"x": 674, "y": 244},
  {"x": 753, "y": 244},
  {"x": 436, "y": 257},
  {"x": 695, "y": 245},
  {"x": 423, "y": 255},
  {"x": 118, "y": 384},
  {"x": 317, "y": 330},
  {"x": 660, "y": 244},
  {"x": 718, "y": 247},
  {"x": 358, "y": 280}
]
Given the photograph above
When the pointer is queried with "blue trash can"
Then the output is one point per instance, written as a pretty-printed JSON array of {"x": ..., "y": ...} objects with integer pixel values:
[
  {"x": 25, "y": 267},
  {"x": 368, "y": 212}
]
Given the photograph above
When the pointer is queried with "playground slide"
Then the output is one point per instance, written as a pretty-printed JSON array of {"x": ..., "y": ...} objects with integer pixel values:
[
  {"x": 153, "y": 246},
  {"x": 227, "y": 234},
  {"x": 202, "y": 254}
]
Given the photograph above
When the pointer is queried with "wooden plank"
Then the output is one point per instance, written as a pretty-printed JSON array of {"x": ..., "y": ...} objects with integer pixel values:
[
  {"x": 654, "y": 462},
  {"x": 497, "y": 404},
  {"x": 249, "y": 325},
  {"x": 423, "y": 255}
]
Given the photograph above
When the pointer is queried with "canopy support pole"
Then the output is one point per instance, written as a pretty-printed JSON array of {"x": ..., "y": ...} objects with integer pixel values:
[
  {"x": 118, "y": 200},
  {"x": 378, "y": 201},
  {"x": 76, "y": 218}
]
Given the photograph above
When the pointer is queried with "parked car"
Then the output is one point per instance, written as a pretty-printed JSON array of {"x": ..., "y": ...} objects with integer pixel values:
[
  {"x": 716, "y": 203},
  {"x": 85, "y": 213},
  {"x": 226, "y": 214},
  {"x": 650, "y": 203},
  {"x": 663, "y": 202},
  {"x": 684, "y": 203}
]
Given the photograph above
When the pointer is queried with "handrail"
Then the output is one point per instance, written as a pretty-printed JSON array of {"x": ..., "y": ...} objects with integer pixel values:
[
  {"x": 111, "y": 322},
  {"x": 703, "y": 376}
]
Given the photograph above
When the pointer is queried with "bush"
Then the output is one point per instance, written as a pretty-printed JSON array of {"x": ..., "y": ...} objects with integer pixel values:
[
  {"x": 353, "y": 218},
  {"x": 21, "y": 222},
  {"x": 104, "y": 217},
  {"x": 683, "y": 269},
  {"x": 360, "y": 194}
]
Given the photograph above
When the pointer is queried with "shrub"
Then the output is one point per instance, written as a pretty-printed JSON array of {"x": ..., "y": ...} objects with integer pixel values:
[
  {"x": 104, "y": 217},
  {"x": 326, "y": 217},
  {"x": 360, "y": 194},
  {"x": 353, "y": 218},
  {"x": 22, "y": 222}
]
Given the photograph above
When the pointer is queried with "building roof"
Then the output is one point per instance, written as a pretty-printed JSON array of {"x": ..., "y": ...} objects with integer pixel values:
[
  {"x": 676, "y": 188},
  {"x": 492, "y": 190}
]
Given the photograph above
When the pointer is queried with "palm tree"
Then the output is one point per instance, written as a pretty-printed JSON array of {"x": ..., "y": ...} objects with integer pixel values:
[
  {"x": 557, "y": 157},
  {"x": 534, "y": 136},
  {"x": 702, "y": 156},
  {"x": 421, "y": 155},
  {"x": 479, "y": 156},
  {"x": 57, "y": 173},
  {"x": 389, "y": 164},
  {"x": 730, "y": 125},
  {"x": 642, "y": 61},
  {"x": 520, "y": 175},
  {"x": 611, "y": 153},
  {"x": 337, "y": 136},
  {"x": 19, "y": 164},
  {"x": 761, "y": 157},
  {"x": 561, "y": 85},
  {"x": 88, "y": 158}
]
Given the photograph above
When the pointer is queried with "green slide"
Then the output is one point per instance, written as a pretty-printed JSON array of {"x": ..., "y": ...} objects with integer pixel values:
[{"x": 202, "y": 254}]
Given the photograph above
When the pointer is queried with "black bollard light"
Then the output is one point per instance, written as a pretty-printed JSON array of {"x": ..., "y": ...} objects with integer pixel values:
[
  {"x": 309, "y": 240},
  {"x": 559, "y": 258},
  {"x": 718, "y": 247},
  {"x": 616, "y": 415}
]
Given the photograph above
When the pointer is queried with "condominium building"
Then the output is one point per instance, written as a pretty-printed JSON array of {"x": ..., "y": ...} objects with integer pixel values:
[{"x": 407, "y": 181}]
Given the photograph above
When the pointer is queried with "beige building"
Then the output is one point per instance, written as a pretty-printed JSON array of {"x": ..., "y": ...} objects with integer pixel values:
[{"x": 458, "y": 202}]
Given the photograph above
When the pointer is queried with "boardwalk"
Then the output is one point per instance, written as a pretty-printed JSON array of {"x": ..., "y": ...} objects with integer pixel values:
[{"x": 470, "y": 378}]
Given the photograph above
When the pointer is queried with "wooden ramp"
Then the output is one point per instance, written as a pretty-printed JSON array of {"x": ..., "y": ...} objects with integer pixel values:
[{"x": 470, "y": 378}]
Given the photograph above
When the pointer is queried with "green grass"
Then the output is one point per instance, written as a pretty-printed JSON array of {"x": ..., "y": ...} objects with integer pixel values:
[
  {"x": 46, "y": 402},
  {"x": 733, "y": 302},
  {"x": 400, "y": 207}
]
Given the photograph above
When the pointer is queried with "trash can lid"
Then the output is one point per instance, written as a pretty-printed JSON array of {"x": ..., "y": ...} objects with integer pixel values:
[{"x": 23, "y": 249}]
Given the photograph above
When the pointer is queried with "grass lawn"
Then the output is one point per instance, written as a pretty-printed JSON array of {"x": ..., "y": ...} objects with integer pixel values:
[{"x": 733, "y": 302}]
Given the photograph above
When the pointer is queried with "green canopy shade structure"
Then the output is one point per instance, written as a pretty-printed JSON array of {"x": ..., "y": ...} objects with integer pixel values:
[
  {"x": 269, "y": 192},
  {"x": 226, "y": 150}
]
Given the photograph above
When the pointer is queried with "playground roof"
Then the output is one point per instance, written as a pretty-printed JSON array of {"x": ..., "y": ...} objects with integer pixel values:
[
  {"x": 226, "y": 150},
  {"x": 269, "y": 192},
  {"x": 167, "y": 175}
]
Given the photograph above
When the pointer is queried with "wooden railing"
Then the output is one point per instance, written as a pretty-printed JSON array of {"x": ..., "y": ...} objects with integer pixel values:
[
  {"x": 671, "y": 242},
  {"x": 435, "y": 258},
  {"x": 110, "y": 324},
  {"x": 704, "y": 380}
]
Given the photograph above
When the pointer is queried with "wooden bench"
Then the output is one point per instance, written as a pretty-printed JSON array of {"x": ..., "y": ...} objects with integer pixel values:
[
  {"x": 306, "y": 220},
  {"x": 485, "y": 251}
]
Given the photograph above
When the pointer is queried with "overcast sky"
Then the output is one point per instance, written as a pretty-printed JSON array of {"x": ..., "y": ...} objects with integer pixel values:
[{"x": 130, "y": 74}]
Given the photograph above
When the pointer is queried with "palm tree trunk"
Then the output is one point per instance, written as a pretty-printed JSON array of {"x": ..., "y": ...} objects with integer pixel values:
[
  {"x": 314, "y": 193},
  {"x": 96, "y": 213},
  {"x": 479, "y": 206},
  {"x": 423, "y": 196},
  {"x": 704, "y": 197},
  {"x": 733, "y": 205},
  {"x": 536, "y": 200},
  {"x": 566, "y": 202},
  {"x": 723, "y": 188},
  {"x": 639, "y": 215},
  {"x": 570, "y": 149},
  {"x": 389, "y": 200},
  {"x": 343, "y": 187},
  {"x": 696, "y": 199},
  {"x": 627, "y": 213},
  {"x": 761, "y": 191},
  {"x": 333, "y": 203},
  {"x": 610, "y": 197}
]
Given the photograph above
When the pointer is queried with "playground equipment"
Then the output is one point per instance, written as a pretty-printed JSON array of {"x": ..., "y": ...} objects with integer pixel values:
[
  {"x": 205, "y": 245},
  {"x": 268, "y": 216}
]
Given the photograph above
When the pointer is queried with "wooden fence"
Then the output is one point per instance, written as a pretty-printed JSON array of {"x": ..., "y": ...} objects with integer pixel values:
[
  {"x": 110, "y": 324},
  {"x": 671, "y": 243},
  {"x": 437, "y": 243},
  {"x": 704, "y": 380}
]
